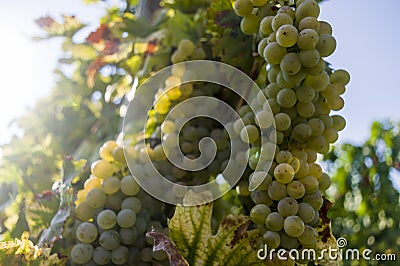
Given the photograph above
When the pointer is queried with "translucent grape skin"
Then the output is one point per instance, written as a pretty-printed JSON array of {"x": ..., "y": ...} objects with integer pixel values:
[
  {"x": 288, "y": 206},
  {"x": 284, "y": 173},
  {"x": 259, "y": 213},
  {"x": 101, "y": 256},
  {"x": 272, "y": 239},
  {"x": 295, "y": 189},
  {"x": 86, "y": 232},
  {"x": 126, "y": 218},
  {"x": 82, "y": 253},
  {"x": 106, "y": 219},
  {"x": 293, "y": 226},
  {"x": 109, "y": 240},
  {"x": 119, "y": 256},
  {"x": 276, "y": 190},
  {"x": 274, "y": 221}
]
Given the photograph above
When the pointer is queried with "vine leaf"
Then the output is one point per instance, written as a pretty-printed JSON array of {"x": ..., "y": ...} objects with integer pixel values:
[
  {"x": 325, "y": 238},
  {"x": 70, "y": 170},
  {"x": 190, "y": 230},
  {"x": 23, "y": 252}
]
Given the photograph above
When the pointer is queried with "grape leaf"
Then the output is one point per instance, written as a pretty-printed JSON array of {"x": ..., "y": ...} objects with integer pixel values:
[
  {"x": 190, "y": 230},
  {"x": 23, "y": 252}
]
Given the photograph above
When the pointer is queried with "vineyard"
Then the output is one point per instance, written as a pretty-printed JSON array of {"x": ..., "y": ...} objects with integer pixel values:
[{"x": 197, "y": 133}]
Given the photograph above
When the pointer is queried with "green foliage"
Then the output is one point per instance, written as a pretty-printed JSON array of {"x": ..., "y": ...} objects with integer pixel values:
[
  {"x": 24, "y": 252},
  {"x": 367, "y": 206},
  {"x": 190, "y": 230}
]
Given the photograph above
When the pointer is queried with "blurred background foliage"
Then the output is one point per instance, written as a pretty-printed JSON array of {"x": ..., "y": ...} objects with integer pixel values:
[{"x": 86, "y": 107}]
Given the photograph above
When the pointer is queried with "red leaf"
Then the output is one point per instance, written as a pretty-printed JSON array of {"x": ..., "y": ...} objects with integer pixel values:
[
  {"x": 102, "y": 33},
  {"x": 111, "y": 46},
  {"x": 45, "y": 22},
  {"x": 91, "y": 71}
]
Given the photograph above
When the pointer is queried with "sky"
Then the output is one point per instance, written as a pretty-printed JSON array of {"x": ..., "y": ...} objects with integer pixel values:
[{"x": 367, "y": 34}]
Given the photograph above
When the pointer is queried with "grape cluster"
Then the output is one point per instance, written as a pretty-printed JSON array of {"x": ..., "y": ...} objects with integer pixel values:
[
  {"x": 301, "y": 91},
  {"x": 114, "y": 215}
]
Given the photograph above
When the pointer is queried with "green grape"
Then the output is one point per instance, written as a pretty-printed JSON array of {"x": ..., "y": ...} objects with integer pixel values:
[
  {"x": 259, "y": 213},
  {"x": 296, "y": 79},
  {"x": 96, "y": 198},
  {"x": 260, "y": 180},
  {"x": 317, "y": 69},
  {"x": 324, "y": 182},
  {"x": 273, "y": 53},
  {"x": 110, "y": 185},
  {"x": 186, "y": 47},
  {"x": 293, "y": 226},
  {"x": 261, "y": 46},
  {"x": 118, "y": 155},
  {"x": 250, "y": 134},
  {"x": 308, "y": 39},
  {"x": 309, "y": 236},
  {"x": 303, "y": 169},
  {"x": 273, "y": 104},
  {"x": 326, "y": 45},
  {"x": 82, "y": 253},
  {"x": 315, "y": 200},
  {"x": 198, "y": 54},
  {"x": 260, "y": 197},
  {"x": 308, "y": 8},
  {"x": 106, "y": 150},
  {"x": 319, "y": 82},
  {"x": 280, "y": 20},
  {"x": 110, "y": 240},
  {"x": 306, "y": 110},
  {"x": 309, "y": 58},
  {"x": 276, "y": 190},
  {"x": 288, "y": 206},
  {"x": 160, "y": 255},
  {"x": 315, "y": 170},
  {"x": 295, "y": 189},
  {"x": 126, "y": 218},
  {"x": 317, "y": 126},
  {"x": 310, "y": 184},
  {"x": 316, "y": 142},
  {"x": 266, "y": 26},
  {"x": 287, "y": 35},
  {"x": 327, "y": 120},
  {"x": 306, "y": 212},
  {"x": 176, "y": 57},
  {"x": 305, "y": 94},
  {"x": 290, "y": 64},
  {"x": 140, "y": 225},
  {"x": 309, "y": 23},
  {"x": 132, "y": 203},
  {"x": 86, "y": 232},
  {"x": 168, "y": 127},
  {"x": 119, "y": 256},
  {"x": 250, "y": 24},
  {"x": 283, "y": 157},
  {"x": 129, "y": 186},
  {"x": 274, "y": 221},
  {"x": 106, "y": 219},
  {"x": 286, "y": 10},
  {"x": 340, "y": 77},
  {"x": 325, "y": 28},
  {"x": 331, "y": 135},
  {"x": 101, "y": 256},
  {"x": 272, "y": 37},
  {"x": 335, "y": 102},
  {"x": 83, "y": 211},
  {"x": 288, "y": 243},
  {"x": 286, "y": 98},
  {"x": 284, "y": 173},
  {"x": 102, "y": 169},
  {"x": 272, "y": 239},
  {"x": 295, "y": 163},
  {"x": 264, "y": 119},
  {"x": 315, "y": 221},
  {"x": 338, "y": 122},
  {"x": 146, "y": 254},
  {"x": 243, "y": 7},
  {"x": 282, "y": 121},
  {"x": 128, "y": 235},
  {"x": 301, "y": 132},
  {"x": 272, "y": 90}
]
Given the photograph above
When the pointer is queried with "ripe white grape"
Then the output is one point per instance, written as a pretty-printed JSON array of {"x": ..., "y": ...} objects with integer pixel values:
[
  {"x": 96, "y": 198},
  {"x": 106, "y": 219},
  {"x": 109, "y": 240},
  {"x": 266, "y": 26},
  {"x": 293, "y": 226},
  {"x": 309, "y": 23},
  {"x": 272, "y": 239},
  {"x": 101, "y": 256},
  {"x": 309, "y": 236},
  {"x": 126, "y": 218},
  {"x": 82, "y": 253},
  {"x": 274, "y": 221},
  {"x": 128, "y": 235},
  {"x": 308, "y": 39},
  {"x": 306, "y": 212},
  {"x": 290, "y": 64},
  {"x": 288, "y": 206},
  {"x": 287, "y": 35},
  {"x": 132, "y": 203},
  {"x": 326, "y": 45},
  {"x": 280, "y": 20},
  {"x": 284, "y": 173},
  {"x": 295, "y": 189},
  {"x": 250, "y": 134},
  {"x": 119, "y": 256},
  {"x": 83, "y": 211},
  {"x": 243, "y": 7},
  {"x": 102, "y": 169},
  {"x": 308, "y": 8},
  {"x": 286, "y": 98},
  {"x": 111, "y": 184},
  {"x": 310, "y": 184},
  {"x": 273, "y": 53},
  {"x": 259, "y": 213},
  {"x": 249, "y": 24},
  {"x": 86, "y": 232},
  {"x": 129, "y": 186},
  {"x": 309, "y": 58},
  {"x": 276, "y": 190}
]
